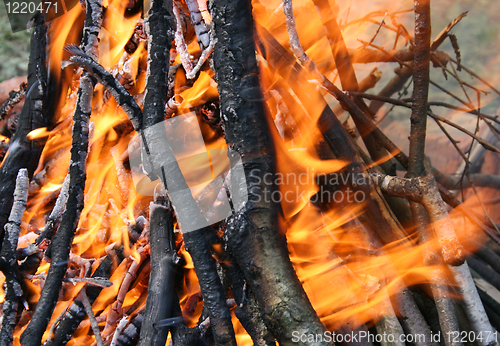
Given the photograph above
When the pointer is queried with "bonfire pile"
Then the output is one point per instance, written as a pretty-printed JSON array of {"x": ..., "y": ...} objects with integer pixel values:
[{"x": 89, "y": 258}]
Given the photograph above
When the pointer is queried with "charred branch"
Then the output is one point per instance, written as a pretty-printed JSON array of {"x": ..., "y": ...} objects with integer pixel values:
[
  {"x": 160, "y": 35},
  {"x": 211, "y": 287},
  {"x": 118, "y": 91},
  {"x": 161, "y": 279},
  {"x": 76, "y": 312},
  {"x": 8, "y": 260},
  {"x": 253, "y": 236},
  {"x": 62, "y": 240}
]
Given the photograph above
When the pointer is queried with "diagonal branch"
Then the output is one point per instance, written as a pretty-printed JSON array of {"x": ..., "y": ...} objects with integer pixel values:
[{"x": 80, "y": 142}]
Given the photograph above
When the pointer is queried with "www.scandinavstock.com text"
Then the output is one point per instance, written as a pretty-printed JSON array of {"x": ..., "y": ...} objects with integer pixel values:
[{"x": 358, "y": 336}]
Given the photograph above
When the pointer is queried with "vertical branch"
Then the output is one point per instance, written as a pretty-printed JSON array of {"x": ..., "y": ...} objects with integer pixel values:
[
  {"x": 8, "y": 259},
  {"x": 161, "y": 279},
  {"x": 163, "y": 164},
  {"x": 452, "y": 250},
  {"x": 159, "y": 28},
  {"x": 62, "y": 240},
  {"x": 253, "y": 235},
  {"x": 420, "y": 87}
]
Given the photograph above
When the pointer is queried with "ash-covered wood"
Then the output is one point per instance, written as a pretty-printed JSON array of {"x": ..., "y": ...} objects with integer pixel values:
[
  {"x": 55, "y": 216},
  {"x": 14, "y": 98},
  {"x": 8, "y": 261}
]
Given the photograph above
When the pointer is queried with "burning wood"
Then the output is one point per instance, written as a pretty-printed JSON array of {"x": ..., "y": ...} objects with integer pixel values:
[{"x": 226, "y": 203}]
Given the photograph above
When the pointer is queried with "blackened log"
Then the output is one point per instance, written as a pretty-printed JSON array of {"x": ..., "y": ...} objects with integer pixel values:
[
  {"x": 254, "y": 238},
  {"x": 161, "y": 279},
  {"x": 76, "y": 313},
  {"x": 80, "y": 142},
  {"x": 159, "y": 30},
  {"x": 23, "y": 152},
  {"x": 211, "y": 287}
]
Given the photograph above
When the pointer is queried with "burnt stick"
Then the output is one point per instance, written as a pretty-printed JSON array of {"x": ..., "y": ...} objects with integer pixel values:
[
  {"x": 62, "y": 240},
  {"x": 161, "y": 279}
]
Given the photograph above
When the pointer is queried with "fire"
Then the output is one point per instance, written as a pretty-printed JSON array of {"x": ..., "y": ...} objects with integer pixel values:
[{"x": 347, "y": 275}]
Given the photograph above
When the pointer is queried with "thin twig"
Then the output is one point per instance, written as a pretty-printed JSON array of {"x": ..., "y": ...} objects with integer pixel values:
[
  {"x": 478, "y": 77},
  {"x": 444, "y": 33},
  {"x": 481, "y": 141},
  {"x": 90, "y": 314}
]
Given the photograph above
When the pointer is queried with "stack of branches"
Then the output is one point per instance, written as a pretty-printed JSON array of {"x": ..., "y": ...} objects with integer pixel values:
[{"x": 242, "y": 263}]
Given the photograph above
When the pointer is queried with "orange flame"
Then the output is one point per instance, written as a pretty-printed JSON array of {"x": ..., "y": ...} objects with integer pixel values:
[{"x": 346, "y": 274}]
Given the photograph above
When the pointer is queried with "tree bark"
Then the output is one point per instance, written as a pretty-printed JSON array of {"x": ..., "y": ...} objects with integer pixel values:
[
  {"x": 161, "y": 279},
  {"x": 254, "y": 238}
]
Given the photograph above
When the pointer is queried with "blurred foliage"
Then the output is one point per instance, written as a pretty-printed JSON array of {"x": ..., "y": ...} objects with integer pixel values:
[{"x": 14, "y": 48}]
